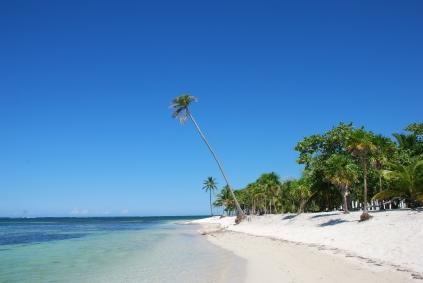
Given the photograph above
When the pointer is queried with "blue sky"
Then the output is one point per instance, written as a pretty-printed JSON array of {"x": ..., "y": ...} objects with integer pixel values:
[{"x": 85, "y": 89}]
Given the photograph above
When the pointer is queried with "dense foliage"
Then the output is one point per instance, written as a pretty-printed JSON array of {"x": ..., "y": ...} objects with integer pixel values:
[{"x": 342, "y": 166}]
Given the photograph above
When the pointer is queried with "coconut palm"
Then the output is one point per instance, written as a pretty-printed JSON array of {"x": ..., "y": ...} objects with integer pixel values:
[
  {"x": 406, "y": 141},
  {"x": 225, "y": 199},
  {"x": 407, "y": 182},
  {"x": 210, "y": 186},
  {"x": 271, "y": 184},
  {"x": 259, "y": 199},
  {"x": 301, "y": 193},
  {"x": 383, "y": 148},
  {"x": 180, "y": 106},
  {"x": 361, "y": 146},
  {"x": 411, "y": 142},
  {"x": 341, "y": 172}
]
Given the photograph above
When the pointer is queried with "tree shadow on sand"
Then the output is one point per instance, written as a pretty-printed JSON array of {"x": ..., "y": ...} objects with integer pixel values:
[
  {"x": 332, "y": 222},
  {"x": 323, "y": 215},
  {"x": 288, "y": 217}
]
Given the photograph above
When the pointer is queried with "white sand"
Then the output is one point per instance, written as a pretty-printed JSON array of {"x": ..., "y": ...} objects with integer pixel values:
[{"x": 336, "y": 247}]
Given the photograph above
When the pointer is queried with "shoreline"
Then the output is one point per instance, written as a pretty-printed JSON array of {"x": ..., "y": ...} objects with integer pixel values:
[{"x": 270, "y": 256}]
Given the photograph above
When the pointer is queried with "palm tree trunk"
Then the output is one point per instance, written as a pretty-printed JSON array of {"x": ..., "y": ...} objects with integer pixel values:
[
  {"x": 211, "y": 209},
  {"x": 380, "y": 181},
  {"x": 365, "y": 214},
  {"x": 344, "y": 195},
  {"x": 301, "y": 208},
  {"x": 327, "y": 201},
  {"x": 365, "y": 188},
  {"x": 239, "y": 212},
  {"x": 381, "y": 205}
]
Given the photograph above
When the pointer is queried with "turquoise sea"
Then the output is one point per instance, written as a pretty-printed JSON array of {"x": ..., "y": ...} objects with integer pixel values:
[{"x": 111, "y": 249}]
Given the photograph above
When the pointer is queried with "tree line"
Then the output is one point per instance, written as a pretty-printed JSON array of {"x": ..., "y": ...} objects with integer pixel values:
[{"x": 342, "y": 165}]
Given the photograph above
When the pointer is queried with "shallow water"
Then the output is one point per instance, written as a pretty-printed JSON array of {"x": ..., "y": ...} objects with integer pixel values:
[{"x": 133, "y": 249}]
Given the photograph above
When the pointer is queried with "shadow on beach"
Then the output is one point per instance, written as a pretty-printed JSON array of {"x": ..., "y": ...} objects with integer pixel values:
[
  {"x": 324, "y": 215},
  {"x": 332, "y": 222}
]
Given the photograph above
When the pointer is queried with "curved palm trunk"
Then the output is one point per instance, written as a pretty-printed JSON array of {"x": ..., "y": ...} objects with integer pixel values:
[{"x": 240, "y": 214}]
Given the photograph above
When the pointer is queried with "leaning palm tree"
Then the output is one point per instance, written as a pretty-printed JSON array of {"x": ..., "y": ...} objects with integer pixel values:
[
  {"x": 180, "y": 106},
  {"x": 210, "y": 186}
]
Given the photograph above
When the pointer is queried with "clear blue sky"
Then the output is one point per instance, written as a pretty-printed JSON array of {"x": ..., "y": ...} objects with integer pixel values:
[{"x": 85, "y": 89}]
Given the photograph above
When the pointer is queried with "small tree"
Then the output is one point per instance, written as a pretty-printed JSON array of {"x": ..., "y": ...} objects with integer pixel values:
[
  {"x": 342, "y": 172},
  {"x": 361, "y": 146}
]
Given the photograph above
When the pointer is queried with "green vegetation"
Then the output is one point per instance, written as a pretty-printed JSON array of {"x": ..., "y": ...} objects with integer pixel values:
[
  {"x": 341, "y": 171},
  {"x": 406, "y": 182},
  {"x": 342, "y": 166}
]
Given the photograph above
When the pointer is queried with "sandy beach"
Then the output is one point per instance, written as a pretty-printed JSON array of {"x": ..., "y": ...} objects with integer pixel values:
[{"x": 291, "y": 248}]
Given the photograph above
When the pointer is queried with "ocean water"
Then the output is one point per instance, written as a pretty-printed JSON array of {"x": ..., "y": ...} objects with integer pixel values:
[{"x": 121, "y": 249}]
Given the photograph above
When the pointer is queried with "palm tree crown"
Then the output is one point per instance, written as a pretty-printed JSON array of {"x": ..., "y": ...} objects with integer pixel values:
[
  {"x": 407, "y": 181},
  {"x": 210, "y": 184},
  {"x": 180, "y": 106},
  {"x": 341, "y": 171}
]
